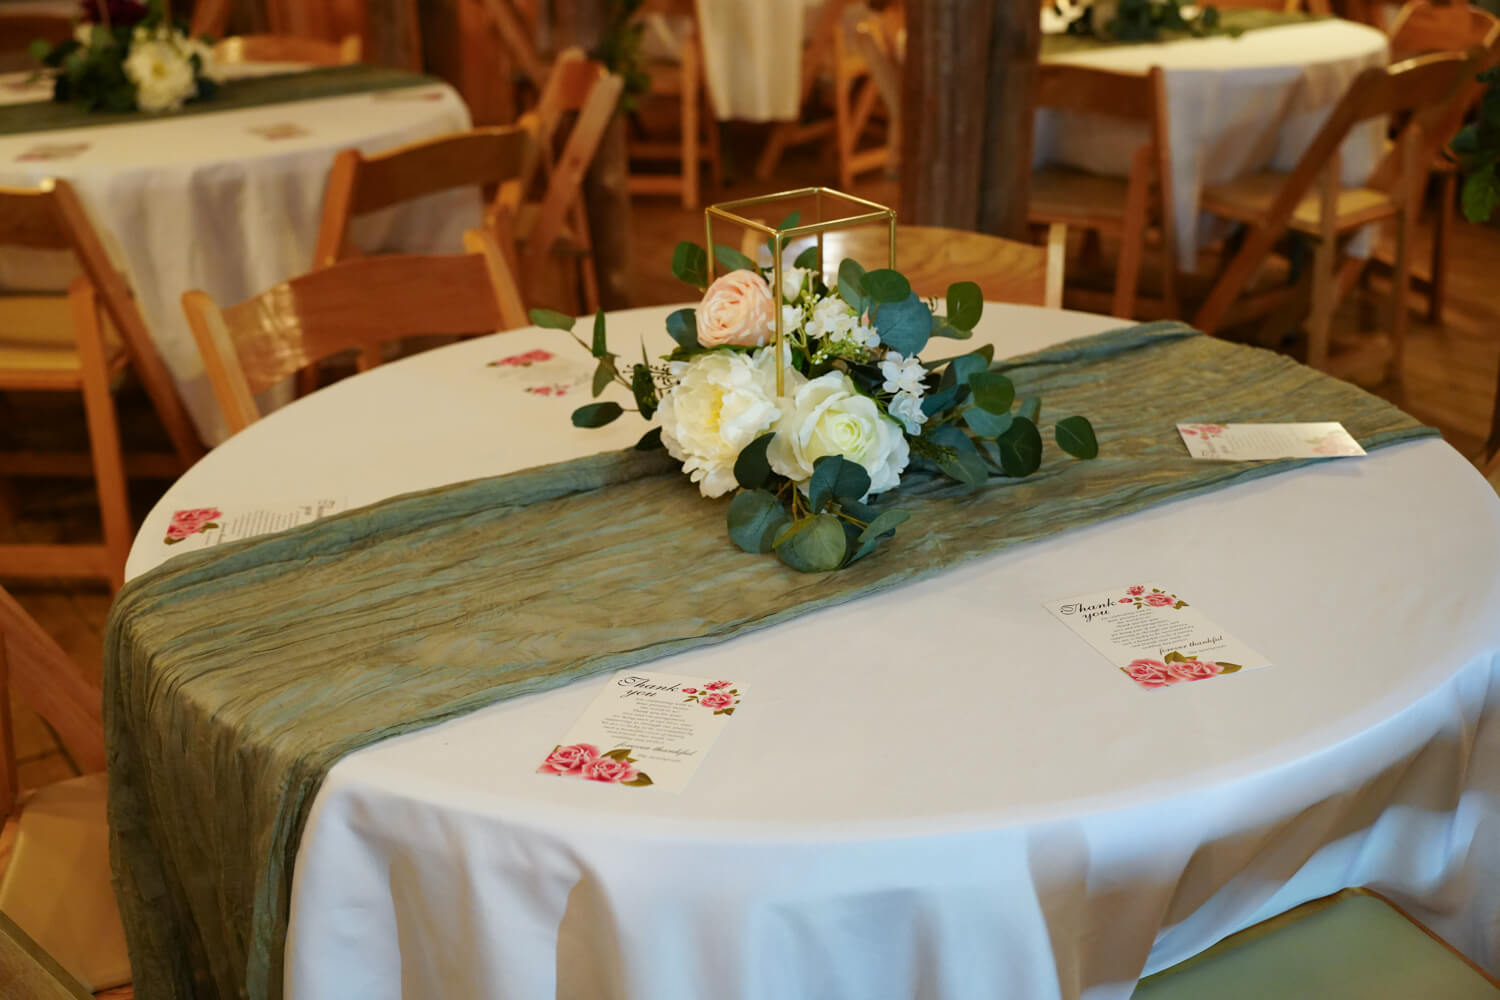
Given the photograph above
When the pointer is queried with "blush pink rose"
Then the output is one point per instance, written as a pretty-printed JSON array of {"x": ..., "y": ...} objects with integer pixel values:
[
  {"x": 717, "y": 700},
  {"x": 717, "y": 685},
  {"x": 177, "y": 532},
  {"x": 1135, "y": 591},
  {"x": 1149, "y": 673},
  {"x": 1126, "y": 600},
  {"x": 569, "y": 760},
  {"x": 1159, "y": 600},
  {"x": 194, "y": 519},
  {"x": 608, "y": 769},
  {"x": 689, "y": 690},
  {"x": 1192, "y": 670},
  {"x": 736, "y": 310}
]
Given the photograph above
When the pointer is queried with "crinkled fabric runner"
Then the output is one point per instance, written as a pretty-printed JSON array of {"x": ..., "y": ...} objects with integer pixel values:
[
  {"x": 236, "y": 677},
  {"x": 332, "y": 81},
  {"x": 1237, "y": 20}
]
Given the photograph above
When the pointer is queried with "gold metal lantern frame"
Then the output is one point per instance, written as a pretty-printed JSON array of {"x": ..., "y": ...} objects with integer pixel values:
[{"x": 863, "y": 213}]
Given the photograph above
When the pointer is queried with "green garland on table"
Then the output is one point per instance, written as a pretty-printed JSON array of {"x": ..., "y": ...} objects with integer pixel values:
[{"x": 1144, "y": 21}]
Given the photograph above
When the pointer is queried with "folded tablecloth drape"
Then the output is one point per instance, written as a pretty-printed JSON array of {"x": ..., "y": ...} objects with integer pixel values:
[{"x": 236, "y": 677}]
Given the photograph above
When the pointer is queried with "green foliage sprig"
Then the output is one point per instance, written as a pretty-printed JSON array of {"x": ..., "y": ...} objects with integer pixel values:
[
  {"x": 1477, "y": 146},
  {"x": 1144, "y": 21}
]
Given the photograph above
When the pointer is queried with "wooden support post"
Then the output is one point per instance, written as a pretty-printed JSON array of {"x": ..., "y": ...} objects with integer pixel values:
[{"x": 966, "y": 163}]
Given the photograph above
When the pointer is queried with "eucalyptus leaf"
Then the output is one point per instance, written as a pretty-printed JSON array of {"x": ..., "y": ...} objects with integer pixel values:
[
  {"x": 601, "y": 342},
  {"x": 942, "y": 328},
  {"x": 596, "y": 414},
  {"x": 690, "y": 264},
  {"x": 650, "y": 441},
  {"x": 1020, "y": 448},
  {"x": 756, "y": 518},
  {"x": 885, "y": 285},
  {"x": 1481, "y": 193},
  {"x": 992, "y": 391},
  {"x": 967, "y": 365},
  {"x": 836, "y": 478},
  {"x": 965, "y": 305},
  {"x": 851, "y": 283},
  {"x": 808, "y": 258},
  {"x": 643, "y": 387},
  {"x": 604, "y": 374},
  {"x": 733, "y": 260},
  {"x": 904, "y": 326},
  {"x": 751, "y": 468},
  {"x": 884, "y": 524},
  {"x": 965, "y": 466},
  {"x": 986, "y": 351},
  {"x": 1031, "y": 409},
  {"x": 1075, "y": 435},
  {"x": 551, "y": 319},
  {"x": 938, "y": 402},
  {"x": 683, "y": 326},
  {"x": 790, "y": 222},
  {"x": 986, "y": 424},
  {"x": 813, "y": 545}
]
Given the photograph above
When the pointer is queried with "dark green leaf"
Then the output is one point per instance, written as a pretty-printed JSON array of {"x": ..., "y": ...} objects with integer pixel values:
[
  {"x": 756, "y": 518},
  {"x": 1031, "y": 409},
  {"x": 942, "y": 328},
  {"x": 836, "y": 478},
  {"x": 807, "y": 258},
  {"x": 683, "y": 326},
  {"x": 937, "y": 402},
  {"x": 733, "y": 260},
  {"x": 885, "y": 285},
  {"x": 813, "y": 545},
  {"x": 650, "y": 441},
  {"x": 551, "y": 319},
  {"x": 751, "y": 469},
  {"x": 601, "y": 342},
  {"x": 968, "y": 364},
  {"x": 1020, "y": 448},
  {"x": 965, "y": 465},
  {"x": 851, "y": 283},
  {"x": 992, "y": 391},
  {"x": 986, "y": 424},
  {"x": 904, "y": 326},
  {"x": 604, "y": 374},
  {"x": 39, "y": 50},
  {"x": 596, "y": 414},
  {"x": 986, "y": 351},
  {"x": 690, "y": 264},
  {"x": 1075, "y": 435},
  {"x": 884, "y": 524},
  {"x": 790, "y": 222},
  {"x": 1481, "y": 194},
  {"x": 965, "y": 305},
  {"x": 643, "y": 387}
]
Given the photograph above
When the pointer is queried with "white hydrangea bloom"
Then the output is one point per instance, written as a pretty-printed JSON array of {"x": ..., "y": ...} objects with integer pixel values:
[
  {"x": 907, "y": 408},
  {"x": 162, "y": 75},
  {"x": 865, "y": 334},
  {"x": 903, "y": 374},
  {"x": 791, "y": 319},
  {"x": 831, "y": 318}
]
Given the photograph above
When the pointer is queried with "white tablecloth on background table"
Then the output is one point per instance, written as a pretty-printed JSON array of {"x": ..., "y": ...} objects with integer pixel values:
[
  {"x": 207, "y": 201},
  {"x": 938, "y": 791},
  {"x": 1235, "y": 106},
  {"x": 752, "y": 57}
]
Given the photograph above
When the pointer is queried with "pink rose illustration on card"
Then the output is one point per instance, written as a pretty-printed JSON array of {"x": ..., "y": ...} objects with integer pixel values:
[
  {"x": 583, "y": 760},
  {"x": 525, "y": 360},
  {"x": 1138, "y": 596},
  {"x": 186, "y": 523},
  {"x": 45, "y": 152}
]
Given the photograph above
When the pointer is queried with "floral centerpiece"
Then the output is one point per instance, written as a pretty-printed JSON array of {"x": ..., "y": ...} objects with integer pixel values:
[
  {"x": 128, "y": 55},
  {"x": 811, "y": 440},
  {"x": 1142, "y": 20}
]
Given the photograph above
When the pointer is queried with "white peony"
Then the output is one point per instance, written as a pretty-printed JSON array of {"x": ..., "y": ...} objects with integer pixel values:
[
  {"x": 907, "y": 408},
  {"x": 903, "y": 374},
  {"x": 829, "y": 416},
  {"x": 722, "y": 401},
  {"x": 161, "y": 72}
]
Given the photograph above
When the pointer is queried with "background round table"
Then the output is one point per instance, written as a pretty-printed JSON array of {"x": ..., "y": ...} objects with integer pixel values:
[
  {"x": 938, "y": 791},
  {"x": 227, "y": 201},
  {"x": 1234, "y": 106}
]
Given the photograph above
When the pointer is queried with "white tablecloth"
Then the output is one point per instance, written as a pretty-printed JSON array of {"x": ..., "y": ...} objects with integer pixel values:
[
  {"x": 228, "y": 202},
  {"x": 1235, "y": 106},
  {"x": 936, "y": 792},
  {"x": 752, "y": 57}
]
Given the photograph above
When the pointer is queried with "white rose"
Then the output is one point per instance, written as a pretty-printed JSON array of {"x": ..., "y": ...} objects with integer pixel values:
[
  {"x": 791, "y": 283},
  {"x": 908, "y": 409},
  {"x": 722, "y": 401},
  {"x": 828, "y": 416},
  {"x": 162, "y": 75}
]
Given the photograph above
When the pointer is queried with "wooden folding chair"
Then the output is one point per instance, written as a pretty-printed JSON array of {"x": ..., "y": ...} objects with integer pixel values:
[
  {"x": 78, "y": 343},
  {"x": 210, "y": 19},
  {"x": 1422, "y": 27},
  {"x": 932, "y": 258},
  {"x": 553, "y": 224},
  {"x": 697, "y": 141},
  {"x": 1127, "y": 206},
  {"x": 56, "y": 885},
  {"x": 1312, "y": 201},
  {"x": 288, "y": 49},
  {"x": 352, "y": 305},
  {"x": 19, "y": 30}
]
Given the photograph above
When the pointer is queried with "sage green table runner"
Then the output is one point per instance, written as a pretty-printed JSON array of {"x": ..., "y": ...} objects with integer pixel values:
[
  {"x": 236, "y": 677},
  {"x": 1234, "y": 21},
  {"x": 233, "y": 95}
]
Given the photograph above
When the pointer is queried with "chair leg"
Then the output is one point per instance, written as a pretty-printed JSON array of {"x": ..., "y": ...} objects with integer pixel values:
[
  {"x": 688, "y": 102},
  {"x": 104, "y": 433},
  {"x": 1442, "y": 228},
  {"x": 776, "y": 143},
  {"x": 843, "y": 128},
  {"x": 1132, "y": 240},
  {"x": 1325, "y": 261}
]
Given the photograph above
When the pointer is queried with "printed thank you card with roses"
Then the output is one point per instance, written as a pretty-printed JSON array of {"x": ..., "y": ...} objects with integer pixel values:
[
  {"x": 645, "y": 730},
  {"x": 1260, "y": 442},
  {"x": 1155, "y": 637}
]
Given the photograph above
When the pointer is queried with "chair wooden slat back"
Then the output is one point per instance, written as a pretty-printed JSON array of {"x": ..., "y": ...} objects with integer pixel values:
[
  {"x": 1087, "y": 90},
  {"x": 36, "y": 668},
  {"x": 357, "y": 184},
  {"x": 516, "y": 26},
  {"x": 289, "y": 49},
  {"x": 1423, "y": 27},
  {"x": 354, "y": 304},
  {"x": 18, "y": 31},
  {"x": 210, "y": 18},
  {"x": 33, "y": 219}
]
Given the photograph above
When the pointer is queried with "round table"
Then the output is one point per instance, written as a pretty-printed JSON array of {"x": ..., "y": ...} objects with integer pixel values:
[
  {"x": 1234, "y": 106},
  {"x": 938, "y": 791},
  {"x": 227, "y": 201}
]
